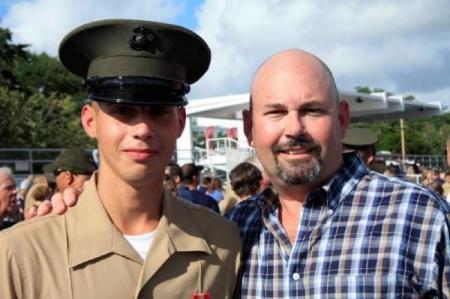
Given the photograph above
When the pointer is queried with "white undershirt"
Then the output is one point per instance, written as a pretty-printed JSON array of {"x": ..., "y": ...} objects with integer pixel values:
[{"x": 141, "y": 243}]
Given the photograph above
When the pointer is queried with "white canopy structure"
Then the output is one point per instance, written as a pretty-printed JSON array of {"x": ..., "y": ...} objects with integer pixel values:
[
  {"x": 363, "y": 107},
  {"x": 227, "y": 111}
]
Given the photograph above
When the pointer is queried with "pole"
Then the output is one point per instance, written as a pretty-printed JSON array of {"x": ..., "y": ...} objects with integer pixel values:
[{"x": 402, "y": 139}]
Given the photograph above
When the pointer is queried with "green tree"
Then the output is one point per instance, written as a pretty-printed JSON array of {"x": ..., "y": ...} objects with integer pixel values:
[
  {"x": 9, "y": 55},
  {"x": 39, "y": 99},
  {"x": 39, "y": 121},
  {"x": 45, "y": 74}
]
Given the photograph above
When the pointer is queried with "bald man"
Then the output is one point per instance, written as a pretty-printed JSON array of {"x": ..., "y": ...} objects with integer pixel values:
[{"x": 329, "y": 227}]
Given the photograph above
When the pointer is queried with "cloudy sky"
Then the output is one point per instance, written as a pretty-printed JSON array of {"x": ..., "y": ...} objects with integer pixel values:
[{"x": 402, "y": 46}]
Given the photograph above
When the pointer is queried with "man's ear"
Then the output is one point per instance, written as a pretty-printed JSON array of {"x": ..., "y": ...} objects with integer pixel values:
[
  {"x": 248, "y": 125},
  {"x": 70, "y": 177},
  {"x": 181, "y": 117},
  {"x": 88, "y": 119},
  {"x": 344, "y": 117}
]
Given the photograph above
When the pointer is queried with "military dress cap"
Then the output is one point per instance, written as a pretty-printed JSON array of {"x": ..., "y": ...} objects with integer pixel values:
[
  {"x": 75, "y": 160},
  {"x": 357, "y": 137},
  {"x": 135, "y": 62}
]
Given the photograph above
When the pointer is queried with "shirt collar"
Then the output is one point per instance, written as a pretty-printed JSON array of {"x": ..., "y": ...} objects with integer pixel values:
[
  {"x": 346, "y": 178},
  {"x": 91, "y": 233}
]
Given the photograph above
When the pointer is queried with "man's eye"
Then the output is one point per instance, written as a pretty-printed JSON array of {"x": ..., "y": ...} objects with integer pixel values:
[
  {"x": 159, "y": 111},
  {"x": 274, "y": 112},
  {"x": 122, "y": 110},
  {"x": 314, "y": 111}
]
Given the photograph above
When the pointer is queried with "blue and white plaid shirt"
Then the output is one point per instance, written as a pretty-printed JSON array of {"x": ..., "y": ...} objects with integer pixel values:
[{"x": 363, "y": 235}]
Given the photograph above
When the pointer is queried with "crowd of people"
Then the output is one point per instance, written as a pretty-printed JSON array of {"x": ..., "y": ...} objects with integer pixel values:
[
  {"x": 74, "y": 166},
  {"x": 309, "y": 218}
]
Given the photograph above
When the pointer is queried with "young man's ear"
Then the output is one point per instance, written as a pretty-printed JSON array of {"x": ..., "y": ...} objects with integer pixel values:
[
  {"x": 181, "y": 117},
  {"x": 248, "y": 124},
  {"x": 88, "y": 119}
]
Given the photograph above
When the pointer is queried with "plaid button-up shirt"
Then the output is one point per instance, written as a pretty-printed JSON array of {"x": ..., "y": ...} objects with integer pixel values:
[{"x": 363, "y": 235}]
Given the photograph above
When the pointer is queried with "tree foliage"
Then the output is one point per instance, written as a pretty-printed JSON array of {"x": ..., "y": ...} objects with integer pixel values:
[
  {"x": 9, "y": 55},
  {"x": 40, "y": 100}
]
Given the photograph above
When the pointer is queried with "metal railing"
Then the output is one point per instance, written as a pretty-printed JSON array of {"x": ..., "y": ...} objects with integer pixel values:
[
  {"x": 29, "y": 160},
  {"x": 430, "y": 161}
]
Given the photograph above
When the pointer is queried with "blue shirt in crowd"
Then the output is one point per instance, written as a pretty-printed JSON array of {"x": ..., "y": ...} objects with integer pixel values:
[{"x": 197, "y": 197}]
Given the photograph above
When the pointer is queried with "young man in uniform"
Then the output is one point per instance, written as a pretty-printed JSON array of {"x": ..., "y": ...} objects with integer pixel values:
[{"x": 127, "y": 237}]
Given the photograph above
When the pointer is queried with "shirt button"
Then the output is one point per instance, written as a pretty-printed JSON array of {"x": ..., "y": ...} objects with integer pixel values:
[
  {"x": 330, "y": 212},
  {"x": 295, "y": 276}
]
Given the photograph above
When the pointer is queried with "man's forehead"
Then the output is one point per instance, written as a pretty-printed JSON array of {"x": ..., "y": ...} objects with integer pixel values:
[
  {"x": 293, "y": 102},
  {"x": 5, "y": 177},
  {"x": 6, "y": 181}
]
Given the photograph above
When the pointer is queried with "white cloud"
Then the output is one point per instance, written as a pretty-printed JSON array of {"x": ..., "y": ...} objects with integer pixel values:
[
  {"x": 388, "y": 44},
  {"x": 43, "y": 23}
]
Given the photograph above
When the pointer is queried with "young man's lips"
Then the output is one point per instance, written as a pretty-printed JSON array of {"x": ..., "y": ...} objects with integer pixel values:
[{"x": 140, "y": 154}]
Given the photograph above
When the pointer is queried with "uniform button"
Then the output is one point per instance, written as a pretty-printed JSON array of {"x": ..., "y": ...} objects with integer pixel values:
[
  {"x": 295, "y": 276},
  {"x": 330, "y": 212}
]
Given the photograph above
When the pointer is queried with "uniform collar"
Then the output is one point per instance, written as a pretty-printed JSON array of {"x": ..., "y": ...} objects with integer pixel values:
[{"x": 91, "y": 233}]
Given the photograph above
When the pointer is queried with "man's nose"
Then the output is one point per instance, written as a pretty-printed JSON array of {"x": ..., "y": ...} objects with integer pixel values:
[
  {"x": 295, "y": 125},
  {"x": 143, "y": 126}
]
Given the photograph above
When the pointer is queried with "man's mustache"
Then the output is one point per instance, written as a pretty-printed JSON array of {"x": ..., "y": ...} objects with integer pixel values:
[{"x": 299, "y": 142}]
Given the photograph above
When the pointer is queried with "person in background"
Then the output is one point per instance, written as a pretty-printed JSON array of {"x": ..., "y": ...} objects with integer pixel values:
[
  {"x": 215, "y": 190},
  {"x": 446, "y": 185},
  {"x": 363, "y": 141},
  {"x": 206, "y": 182},
  {"x": 436, "y": 177},
  {"x": 25, "y": 185},
  {"x": 392, "y": 170},
  {"x": 231, "y": 198},
  {"x": 188, "y": 187},
  {"x": 37, "y": 194},
  {"x": 8, "y": 195},
  {"x": 72, "y": 168},
  {"x": 436, "y": 187},
  {"x": 245, "y": 179}
]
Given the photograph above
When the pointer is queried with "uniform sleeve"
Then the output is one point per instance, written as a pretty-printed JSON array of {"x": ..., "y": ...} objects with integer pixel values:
[{"x": 11, "y": 280}]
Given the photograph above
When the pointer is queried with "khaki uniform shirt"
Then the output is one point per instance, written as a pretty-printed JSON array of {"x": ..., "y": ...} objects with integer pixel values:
[{"x": 82, "y": 255}]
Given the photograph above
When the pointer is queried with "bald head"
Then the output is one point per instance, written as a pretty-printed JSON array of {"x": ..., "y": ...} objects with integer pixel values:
[
  {"x": 296, "y": 123},
  {"x": 295, "y": 60}
]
